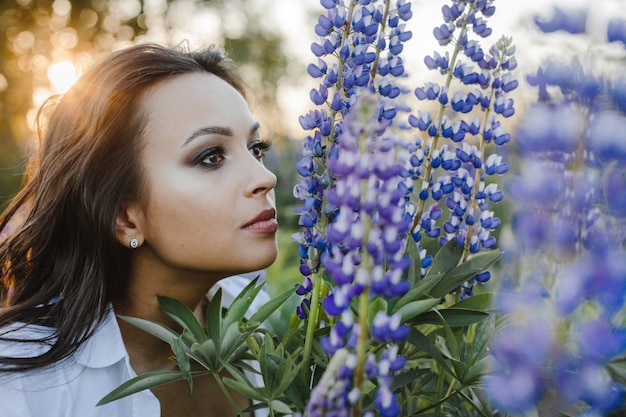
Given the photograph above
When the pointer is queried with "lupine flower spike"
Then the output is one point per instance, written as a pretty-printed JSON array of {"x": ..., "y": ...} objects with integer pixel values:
[
  {"x": 570, "y": 225},
  {"x": 455, "y": 154}
]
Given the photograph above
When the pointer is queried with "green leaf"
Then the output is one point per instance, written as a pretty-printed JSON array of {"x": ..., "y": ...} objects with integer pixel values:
[
  {"x": 280, "y": 407},
  {"x": 477, "y": 371},
  {"x": 143, "y": 382},
  {"x": 271, "y": 306},
  {"x": 231, "y": 341},
  {"x": 245, "y": 388},
  {"x": 455, "y": 317},
  {"x": 465, "y": 271},
  {"x": 241, "y": 304},
  {"x": 214, "y": 317},
  {"x": 422, "y": 288},
  {"x": 205, "y": 353},
  {"x": 415, "y": 308},
  {"x": 445, "y": 260},
  {"x": 182, "y": 360},
  {"x": 180, "y": 313},
  {"x": 481, "y": 302},
  {"x": 423, "y": 343},
  {"x": 451, "y": 341},
  {"x": 414, "y": 274},
  {"x": 617, "y": 369},
  {"x": 155, "y": 329},
  {"x": 268, "y": 363},
  {"x": 406, "y": 377}
]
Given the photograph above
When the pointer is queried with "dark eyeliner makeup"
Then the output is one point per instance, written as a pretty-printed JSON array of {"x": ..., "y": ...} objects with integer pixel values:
[
  {"x": 260, "y": 146},
  {"x": 215, "y": 152}
]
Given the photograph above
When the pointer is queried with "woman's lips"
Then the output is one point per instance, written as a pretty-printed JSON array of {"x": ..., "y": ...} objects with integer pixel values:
[{"x": 264, "y": 222}]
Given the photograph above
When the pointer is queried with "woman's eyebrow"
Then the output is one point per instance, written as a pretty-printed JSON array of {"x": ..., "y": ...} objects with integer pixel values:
[
  {"x": 209, "y": 130},
  {"x": 218, "y": 130},
  {"x": 254, "y": 131}
]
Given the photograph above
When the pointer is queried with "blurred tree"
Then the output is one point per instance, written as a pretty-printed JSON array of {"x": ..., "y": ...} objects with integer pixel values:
[{"x": 35, "y": 34}]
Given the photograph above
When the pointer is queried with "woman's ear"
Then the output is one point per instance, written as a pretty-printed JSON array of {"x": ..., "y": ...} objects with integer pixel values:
[{"x": 129, "y": 225}]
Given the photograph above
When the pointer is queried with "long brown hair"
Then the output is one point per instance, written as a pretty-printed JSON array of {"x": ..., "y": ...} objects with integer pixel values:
[{"x": 65, "y": 248}]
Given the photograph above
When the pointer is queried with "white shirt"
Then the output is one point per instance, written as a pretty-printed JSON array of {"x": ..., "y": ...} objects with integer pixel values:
[{"x": 73, "y": 387}]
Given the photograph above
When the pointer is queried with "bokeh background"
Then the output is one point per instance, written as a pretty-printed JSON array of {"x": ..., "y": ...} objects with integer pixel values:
[{"x": 46, "y": 44}]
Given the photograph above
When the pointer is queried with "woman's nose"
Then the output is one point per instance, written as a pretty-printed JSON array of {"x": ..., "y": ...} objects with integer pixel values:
[{"x": 261, "y": 179}]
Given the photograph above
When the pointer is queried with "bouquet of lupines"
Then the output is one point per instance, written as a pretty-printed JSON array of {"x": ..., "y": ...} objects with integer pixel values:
[
  {"x": 397, "y": 228},
  {"x": 562, "y": 346}
]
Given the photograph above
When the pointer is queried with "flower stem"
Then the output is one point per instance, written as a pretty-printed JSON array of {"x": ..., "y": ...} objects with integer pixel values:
[
  {"x": 312, "y": 322},
  {"x": 439, "y": 121},
  {"x": 477, "y": 176},
  {"x": 230, "y": 399},
  {"x": 383, "y": 24},
  {"x": 361, "y": 348},
  {"x": 364, "y": 299}
]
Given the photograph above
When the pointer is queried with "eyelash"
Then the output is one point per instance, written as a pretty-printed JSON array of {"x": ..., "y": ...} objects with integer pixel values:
[
  {"x": 258, "y": 149},
  {"x": 210, "y": 153},
  {"x": 262, "y": 146}
]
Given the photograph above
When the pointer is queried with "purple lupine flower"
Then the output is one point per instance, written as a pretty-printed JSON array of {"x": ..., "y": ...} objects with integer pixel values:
[
  {"x": 568, "y": 20},
  {"x": 369, "y": 231},
  {"x": 571, "y": 244},
  {"x": 616, "y": 31},
  {"x": 446, "y": 144},
  {"x": 359, "y": 48},
  {"x": 333, "y": 393}
]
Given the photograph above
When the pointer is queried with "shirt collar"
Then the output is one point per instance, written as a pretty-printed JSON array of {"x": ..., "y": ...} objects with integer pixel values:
[{"x": 105, "y": 347}]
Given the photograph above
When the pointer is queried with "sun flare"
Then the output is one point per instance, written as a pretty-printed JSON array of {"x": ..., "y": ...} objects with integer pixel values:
[{"x": 62, "y": 75}]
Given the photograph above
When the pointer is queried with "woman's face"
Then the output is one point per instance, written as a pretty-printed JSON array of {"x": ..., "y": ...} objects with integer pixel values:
[{"x": 209, "y": 204}]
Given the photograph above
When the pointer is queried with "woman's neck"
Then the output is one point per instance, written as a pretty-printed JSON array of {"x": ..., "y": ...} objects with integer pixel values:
[{"x": 146, "y": 283}]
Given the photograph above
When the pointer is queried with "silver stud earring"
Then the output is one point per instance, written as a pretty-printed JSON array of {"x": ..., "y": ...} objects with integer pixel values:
[{"x": 134, "y": 243}]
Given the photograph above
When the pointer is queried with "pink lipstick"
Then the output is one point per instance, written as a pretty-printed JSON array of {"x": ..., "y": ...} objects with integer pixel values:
[{"x": 265, "y": 222}]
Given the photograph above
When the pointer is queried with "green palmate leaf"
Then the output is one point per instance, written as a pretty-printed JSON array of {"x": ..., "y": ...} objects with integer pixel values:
[
  {"x": 617, "y": 368},
  {"x": 246, "y": 389},
  {"x": 465, "y": 271},
  {"x": 156, "y": 329},
  {"x": 481, "y": 302},
  {"x": 271, "y": 306},
  {"x": 214, "y": 317},
  {"x": 280, "y": 407},
  {"x": 269, "y": 365},
  {"x": 205, "y": 353},
  {"x": 455, "y": 317},
  {"x": 415, "y": 269},
  {"x": 143, "y": 382},
  {"x": 424, "y": 344},
  {"x": 241, "y": 304},
  {"x": 182, "y": 360},
  {"x": 476, "y": 345},
  {"x": 231, "y": 340},
  {"x": 289, "y": 371},
  {"x": 451, "y": 341},
  {"x": 476, "y": 371},
  {"x": 180, "y": 313},
  {"x": 445, "y": 260},
  {"x": 413, "y": 309},
  {"x": 277, "y": 369},
  {"x": 406, "y": 377},
  {"x": 421, "y": 289}
]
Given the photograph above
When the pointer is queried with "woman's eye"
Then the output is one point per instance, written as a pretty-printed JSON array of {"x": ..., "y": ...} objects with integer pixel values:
[
  {"x": 258, "y": 149},
  {"x": 211, "y": 158}
]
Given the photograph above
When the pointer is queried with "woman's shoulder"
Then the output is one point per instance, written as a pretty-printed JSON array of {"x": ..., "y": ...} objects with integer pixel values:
[{"x": 73, "y": 386}]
